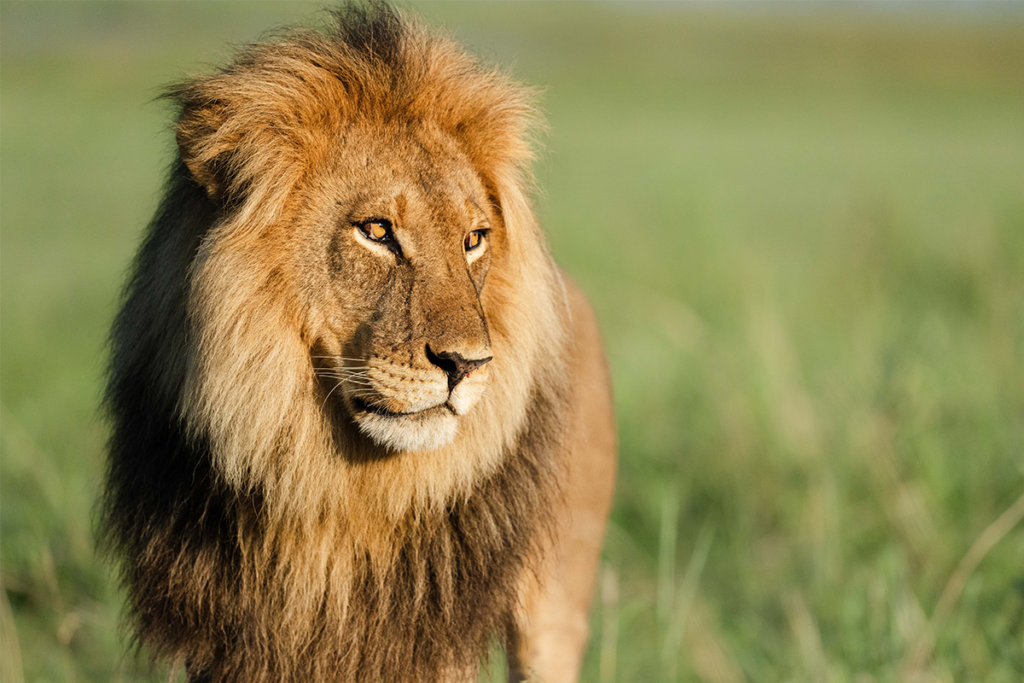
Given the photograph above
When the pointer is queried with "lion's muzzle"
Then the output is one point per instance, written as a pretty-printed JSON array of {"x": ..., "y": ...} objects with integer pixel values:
[{"x": 406, "y": 406}]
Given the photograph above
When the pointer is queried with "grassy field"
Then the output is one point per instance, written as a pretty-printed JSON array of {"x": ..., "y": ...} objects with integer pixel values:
[{"x": 803, "y": 230}]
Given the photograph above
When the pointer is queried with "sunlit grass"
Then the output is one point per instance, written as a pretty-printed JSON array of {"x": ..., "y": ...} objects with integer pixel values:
[{"x": 803, "y": 231}]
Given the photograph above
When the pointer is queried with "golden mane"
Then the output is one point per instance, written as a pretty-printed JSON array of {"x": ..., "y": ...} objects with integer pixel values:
[{"x": 256, "y": 545}]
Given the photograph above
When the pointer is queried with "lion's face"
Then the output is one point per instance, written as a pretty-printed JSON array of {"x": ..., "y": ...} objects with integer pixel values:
[{"x": 406, "y": 234}]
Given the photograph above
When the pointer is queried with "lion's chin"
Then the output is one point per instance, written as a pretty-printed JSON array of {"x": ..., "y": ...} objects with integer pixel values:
[{"x": 423, "y": 431}]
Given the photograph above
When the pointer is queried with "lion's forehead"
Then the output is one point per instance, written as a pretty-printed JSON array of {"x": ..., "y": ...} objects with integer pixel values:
[{"x": 425, "y": 166}]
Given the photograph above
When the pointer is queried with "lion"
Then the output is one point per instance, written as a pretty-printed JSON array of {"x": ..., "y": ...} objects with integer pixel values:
[{"x": 361, "y": 422}]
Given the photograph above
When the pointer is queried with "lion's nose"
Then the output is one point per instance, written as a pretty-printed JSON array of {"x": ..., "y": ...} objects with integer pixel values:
[{"x": 454, "y": 364}]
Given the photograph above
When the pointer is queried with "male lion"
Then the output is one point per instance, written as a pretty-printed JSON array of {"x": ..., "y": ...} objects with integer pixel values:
[{"x": 361, "y": 422}]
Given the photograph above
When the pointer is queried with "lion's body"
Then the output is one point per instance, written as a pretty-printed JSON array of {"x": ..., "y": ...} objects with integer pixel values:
[{"x": 362, "y": 424}]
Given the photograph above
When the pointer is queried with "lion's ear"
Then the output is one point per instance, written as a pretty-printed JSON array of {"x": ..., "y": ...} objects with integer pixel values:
[{"x": 206, "y": 144}]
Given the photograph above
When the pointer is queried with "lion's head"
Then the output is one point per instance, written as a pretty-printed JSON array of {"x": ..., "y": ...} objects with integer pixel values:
[{"x": 374, "y": 286}]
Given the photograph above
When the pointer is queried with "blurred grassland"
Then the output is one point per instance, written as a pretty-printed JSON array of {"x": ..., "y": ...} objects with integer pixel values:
[{"x": 802, "y": 227}]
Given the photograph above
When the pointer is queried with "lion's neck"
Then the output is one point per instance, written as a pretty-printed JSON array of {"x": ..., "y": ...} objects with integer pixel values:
[{"x": 308, "y": 599}]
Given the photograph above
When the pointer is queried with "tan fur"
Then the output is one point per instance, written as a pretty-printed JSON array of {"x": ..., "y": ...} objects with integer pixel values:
[
  {"x": 552, "y": 622},
  {"x": 314, "y": 523}
]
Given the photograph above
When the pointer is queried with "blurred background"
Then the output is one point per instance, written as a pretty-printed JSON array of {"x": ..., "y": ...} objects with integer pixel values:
[{"x": 802, "y": 227}]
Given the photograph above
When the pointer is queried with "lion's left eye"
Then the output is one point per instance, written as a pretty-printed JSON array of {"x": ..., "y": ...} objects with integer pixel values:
[
  {"x": 377, "y": 229},
  {"x": 474, "y": 240}
]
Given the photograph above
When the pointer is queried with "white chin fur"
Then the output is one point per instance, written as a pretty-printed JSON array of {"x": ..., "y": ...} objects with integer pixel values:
[{"x": 412, "y": 433}]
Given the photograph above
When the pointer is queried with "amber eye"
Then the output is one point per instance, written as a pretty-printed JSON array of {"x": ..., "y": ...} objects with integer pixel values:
[
  {"x": 474, "y": 239},
  {"x": 376, "y": 229}
]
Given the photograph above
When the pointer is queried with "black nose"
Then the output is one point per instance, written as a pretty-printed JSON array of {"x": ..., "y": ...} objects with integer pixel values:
[{"x": 454, "y": 365}]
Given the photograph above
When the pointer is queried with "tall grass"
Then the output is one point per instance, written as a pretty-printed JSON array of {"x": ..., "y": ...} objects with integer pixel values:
[{"x": 803, "y": 230}]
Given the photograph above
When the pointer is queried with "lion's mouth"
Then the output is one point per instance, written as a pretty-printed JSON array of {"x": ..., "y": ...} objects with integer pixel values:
[{"x": 376, "y": 409}]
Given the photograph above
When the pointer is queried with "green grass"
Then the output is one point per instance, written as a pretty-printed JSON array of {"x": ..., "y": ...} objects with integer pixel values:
[{"x": 803, "y": 230}]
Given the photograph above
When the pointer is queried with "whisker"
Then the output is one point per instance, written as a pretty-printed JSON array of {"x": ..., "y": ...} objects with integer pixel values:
[
  {"x": 342, "y": 372},
  {"x": 353, "y": 376},
  {"x": 322, "y": 407}
]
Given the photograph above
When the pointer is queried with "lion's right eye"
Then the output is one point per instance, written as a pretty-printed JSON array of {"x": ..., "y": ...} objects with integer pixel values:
[{"x": 377, "y": 229}]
